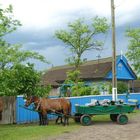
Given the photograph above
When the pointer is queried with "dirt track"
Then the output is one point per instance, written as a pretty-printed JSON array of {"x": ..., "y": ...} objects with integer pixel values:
[{"x": 105, "y": 131}]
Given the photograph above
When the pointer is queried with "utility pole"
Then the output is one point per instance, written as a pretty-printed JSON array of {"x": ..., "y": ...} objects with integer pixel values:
[{"x": 114, "y": 79}]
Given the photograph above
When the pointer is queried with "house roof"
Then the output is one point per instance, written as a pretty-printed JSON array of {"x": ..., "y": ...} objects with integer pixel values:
[
  {"x": 93, "y": 69},
  {"x": 123, "y": 70}
]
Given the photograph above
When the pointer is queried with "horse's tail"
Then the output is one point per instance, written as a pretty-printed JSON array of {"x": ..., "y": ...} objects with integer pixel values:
[
  {"x": 0, "y": 115},
  {"x": 69, "y": 108}
]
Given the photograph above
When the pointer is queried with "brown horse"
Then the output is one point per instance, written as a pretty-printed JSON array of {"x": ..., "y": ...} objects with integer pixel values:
[
  {"x": 1, "y": 108},
  {"x": 46, "y": 105}
]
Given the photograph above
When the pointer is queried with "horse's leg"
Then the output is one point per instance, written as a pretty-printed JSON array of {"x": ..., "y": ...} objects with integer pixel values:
[
  {"x": 67, "y": 120},
  {"x": 56, "y": 122},
  {"x": 66, "y": 117},
  {"x": 46, "y": 120},
  {"x": 68, "y": 114},
  {"x": 40, "y": 118},
  {"x": 64, "y": 123},
  {"x": 61, "y": 119},
  {"x": 62, "y": 116}
]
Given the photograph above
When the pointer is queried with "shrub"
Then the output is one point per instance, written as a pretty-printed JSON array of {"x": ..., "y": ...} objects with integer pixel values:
[
  {"x": 122, "y": 87},
  {"x": 95, "y": 90},
  {"x": 80, "y": 89}
]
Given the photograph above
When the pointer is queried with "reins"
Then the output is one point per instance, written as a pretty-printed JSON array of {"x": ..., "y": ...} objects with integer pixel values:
[{"x": 48, "y": 113}]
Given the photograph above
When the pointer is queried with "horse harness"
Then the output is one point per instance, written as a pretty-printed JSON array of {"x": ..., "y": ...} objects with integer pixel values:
[
  {"x": 54, "y": 111},
  {"x": 38, "y": 105}
]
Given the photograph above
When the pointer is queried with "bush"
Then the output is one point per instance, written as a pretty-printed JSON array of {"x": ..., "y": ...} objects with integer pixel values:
[
  {"x": 80, "y": 89},
  {"x": 95, "y": 90},
  {"x": 122, "y": 87}
]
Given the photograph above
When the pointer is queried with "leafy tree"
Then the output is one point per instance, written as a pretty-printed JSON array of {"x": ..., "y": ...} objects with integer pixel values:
[
  {"x": 15, "y": 77},
  {"x": 22, "y": 80},
  {"x": 12, "y": 55},
  {"x": 80, "y": 37},
  {"x": 7, "y": 23},
  {"x": 133, "y": 53},
  {"x": 72, "y": 76}
]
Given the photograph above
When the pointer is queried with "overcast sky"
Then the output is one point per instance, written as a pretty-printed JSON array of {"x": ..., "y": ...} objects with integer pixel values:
[{"x": 41, "y": 18}]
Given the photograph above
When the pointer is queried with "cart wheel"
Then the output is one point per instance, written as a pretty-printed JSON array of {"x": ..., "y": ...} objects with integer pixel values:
[
  {"x": 122, "y": 119},
  {"x": 113, "y": 117},
  {"x": 77, "y": 118},
  {"x": 85, "y": 120}
]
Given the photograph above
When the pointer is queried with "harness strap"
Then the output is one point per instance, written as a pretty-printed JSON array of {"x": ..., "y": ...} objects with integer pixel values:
[
  {"x": 38, "y": 104},
  {"x": 57, "y": 112}
]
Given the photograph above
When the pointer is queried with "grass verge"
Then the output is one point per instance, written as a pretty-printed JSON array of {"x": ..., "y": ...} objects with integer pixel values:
[{"x": 35, "y": 132}]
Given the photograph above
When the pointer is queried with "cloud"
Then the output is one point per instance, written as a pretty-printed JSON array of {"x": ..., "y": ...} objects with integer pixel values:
[
  {"x": 40, "y": 14},
  {"x": 56, "y": 55},
  {"x": 40, "y": 19},
  {"x": 127, "y": 12}
]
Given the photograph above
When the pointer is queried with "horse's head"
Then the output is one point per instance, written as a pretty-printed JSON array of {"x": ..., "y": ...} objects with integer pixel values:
[{"x": 30, "y": 100}]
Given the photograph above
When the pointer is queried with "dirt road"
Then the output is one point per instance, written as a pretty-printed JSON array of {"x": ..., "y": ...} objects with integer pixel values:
[{"x": 105, "y": 131}]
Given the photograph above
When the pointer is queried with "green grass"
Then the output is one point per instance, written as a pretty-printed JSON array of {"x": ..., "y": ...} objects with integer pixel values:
[{"x": 35, "y": 132}]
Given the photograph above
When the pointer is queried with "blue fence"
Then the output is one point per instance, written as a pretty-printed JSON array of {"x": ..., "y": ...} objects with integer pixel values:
[{"x": 26, "y": 116}]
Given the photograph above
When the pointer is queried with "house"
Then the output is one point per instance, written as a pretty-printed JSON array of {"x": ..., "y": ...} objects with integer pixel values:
[{"x": 91, "y": 71}]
